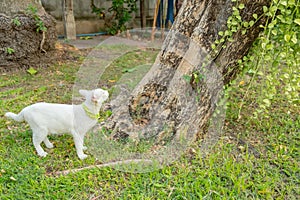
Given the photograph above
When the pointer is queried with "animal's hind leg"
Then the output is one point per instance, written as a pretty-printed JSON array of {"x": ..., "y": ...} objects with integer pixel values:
[
  {"x": 38, "y": 137},
  {"x": 48, "y": 144}
]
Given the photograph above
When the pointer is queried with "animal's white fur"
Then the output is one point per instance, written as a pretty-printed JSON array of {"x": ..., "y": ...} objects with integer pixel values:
[{"x": 46, "y": 118}]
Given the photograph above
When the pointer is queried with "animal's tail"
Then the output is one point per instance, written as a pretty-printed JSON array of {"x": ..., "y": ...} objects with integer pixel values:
[{"x": 18, "y": 117}]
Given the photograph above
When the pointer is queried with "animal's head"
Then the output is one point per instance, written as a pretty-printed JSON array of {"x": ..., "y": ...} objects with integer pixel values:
[{"x": 97, "y": 96}]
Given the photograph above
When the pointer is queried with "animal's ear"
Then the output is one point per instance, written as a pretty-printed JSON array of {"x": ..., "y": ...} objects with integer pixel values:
[{"x": 83, "y": 92}]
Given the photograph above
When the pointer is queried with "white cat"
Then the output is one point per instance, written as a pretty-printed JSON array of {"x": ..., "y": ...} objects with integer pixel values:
[{"x": 46, "y": 118}]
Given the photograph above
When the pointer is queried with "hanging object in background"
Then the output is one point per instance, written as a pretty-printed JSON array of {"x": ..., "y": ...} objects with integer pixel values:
[
  {"x": 164, "y": 14},
  {"x": 155, "y": 18},
  {"x": 160, "y": 15},
  {"x": 170, "y": 14}
]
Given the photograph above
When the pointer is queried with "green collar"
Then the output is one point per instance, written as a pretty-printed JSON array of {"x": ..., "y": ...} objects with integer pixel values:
[{"x": 89, "y": 113}]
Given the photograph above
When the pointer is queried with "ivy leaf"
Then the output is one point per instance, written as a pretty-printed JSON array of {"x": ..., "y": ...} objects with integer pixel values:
[
  {"x": 294, "y": 39},
  {"x": 241, "y": 6},
  {"x": 291, "y": 2},
  {"x": 297, "y": 21},
  {"x": 274, "y": 32},
  {"x": 287, "y": 37},
  {"x": 284, "y": 2},
  {"x": 246, "y": 24}
]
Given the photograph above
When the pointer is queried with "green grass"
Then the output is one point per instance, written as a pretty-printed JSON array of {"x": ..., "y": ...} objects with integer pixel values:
[{"x": 255, "y": 158}]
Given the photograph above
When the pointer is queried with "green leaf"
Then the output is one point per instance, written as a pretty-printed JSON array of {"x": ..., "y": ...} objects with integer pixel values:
[
  {"x": 255, "y": 16},
  {"x": 294, "y": 38},
  {"x": 228, "y": 33},
  {"x": 291, "y": 2},
  {"x": 283, "y": 2},
  {"x": 32, "y": 71},
  {"x": 287, "y": 37},
  {"x": 274, "y": 32},
  {"x": 241, "y": 6},
  {"x": 281, "y": 18},
  {"x": 10, "y": 50},
  {"x": 246, "y": 24},
  {"x": 297, "y": 21},
  {"x": 265, "y": 9}
]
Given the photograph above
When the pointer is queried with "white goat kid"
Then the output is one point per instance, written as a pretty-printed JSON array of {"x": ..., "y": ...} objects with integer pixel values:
[{"x": 47, "y": 118}]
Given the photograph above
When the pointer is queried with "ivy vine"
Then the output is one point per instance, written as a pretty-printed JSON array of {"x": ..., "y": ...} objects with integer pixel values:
[{"x": 275, "y": 57}]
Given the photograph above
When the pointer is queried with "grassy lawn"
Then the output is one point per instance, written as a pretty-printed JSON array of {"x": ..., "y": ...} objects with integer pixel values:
[{"x": 255, "y": 158}]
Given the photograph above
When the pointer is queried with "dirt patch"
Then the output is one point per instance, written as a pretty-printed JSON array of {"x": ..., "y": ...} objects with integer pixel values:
[{"x": 22, "y": 46}]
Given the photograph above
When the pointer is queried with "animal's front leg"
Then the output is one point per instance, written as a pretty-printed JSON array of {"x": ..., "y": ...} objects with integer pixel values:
[{"x": 78, "y": 140}]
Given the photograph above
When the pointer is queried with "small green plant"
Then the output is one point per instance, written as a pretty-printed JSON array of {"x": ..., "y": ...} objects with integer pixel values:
[
  {"x": 10, "y": 50},
  {"x": 194, "y": 79},
  {"x": 32, "y": 10},
  {"x": 32, "y": 71},
  {"x": 16, "y": 21},
  {"x": 120, "y": 14}
]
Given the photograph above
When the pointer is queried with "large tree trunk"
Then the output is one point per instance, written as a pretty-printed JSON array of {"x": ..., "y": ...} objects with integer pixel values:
[
  {"x": 167, "y": 106},
  {"x": 22, "y": 44}
]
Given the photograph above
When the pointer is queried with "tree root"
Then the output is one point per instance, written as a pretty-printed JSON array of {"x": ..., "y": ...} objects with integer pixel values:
[{"x": 43, "y": 42}]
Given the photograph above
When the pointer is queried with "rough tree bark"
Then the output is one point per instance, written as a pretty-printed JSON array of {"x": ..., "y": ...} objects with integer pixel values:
[
  {"x": 21, "y": 44},
  {"x": 159, "y": 101},
  {"x": 69, "y": 19}
]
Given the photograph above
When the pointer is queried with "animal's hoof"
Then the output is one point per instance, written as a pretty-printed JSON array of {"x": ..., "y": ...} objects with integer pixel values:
[{"x": 83, "y": 156}]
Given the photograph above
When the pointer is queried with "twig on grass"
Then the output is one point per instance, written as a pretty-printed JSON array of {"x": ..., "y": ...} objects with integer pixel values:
[{"x": 66, "y": 172}]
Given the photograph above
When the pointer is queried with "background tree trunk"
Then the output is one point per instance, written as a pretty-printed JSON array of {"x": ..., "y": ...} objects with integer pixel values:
[
  {"x": 164, "y": 98},
  {"x": 69, "y": 19},
  {"x": 21, "y": 44}
]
